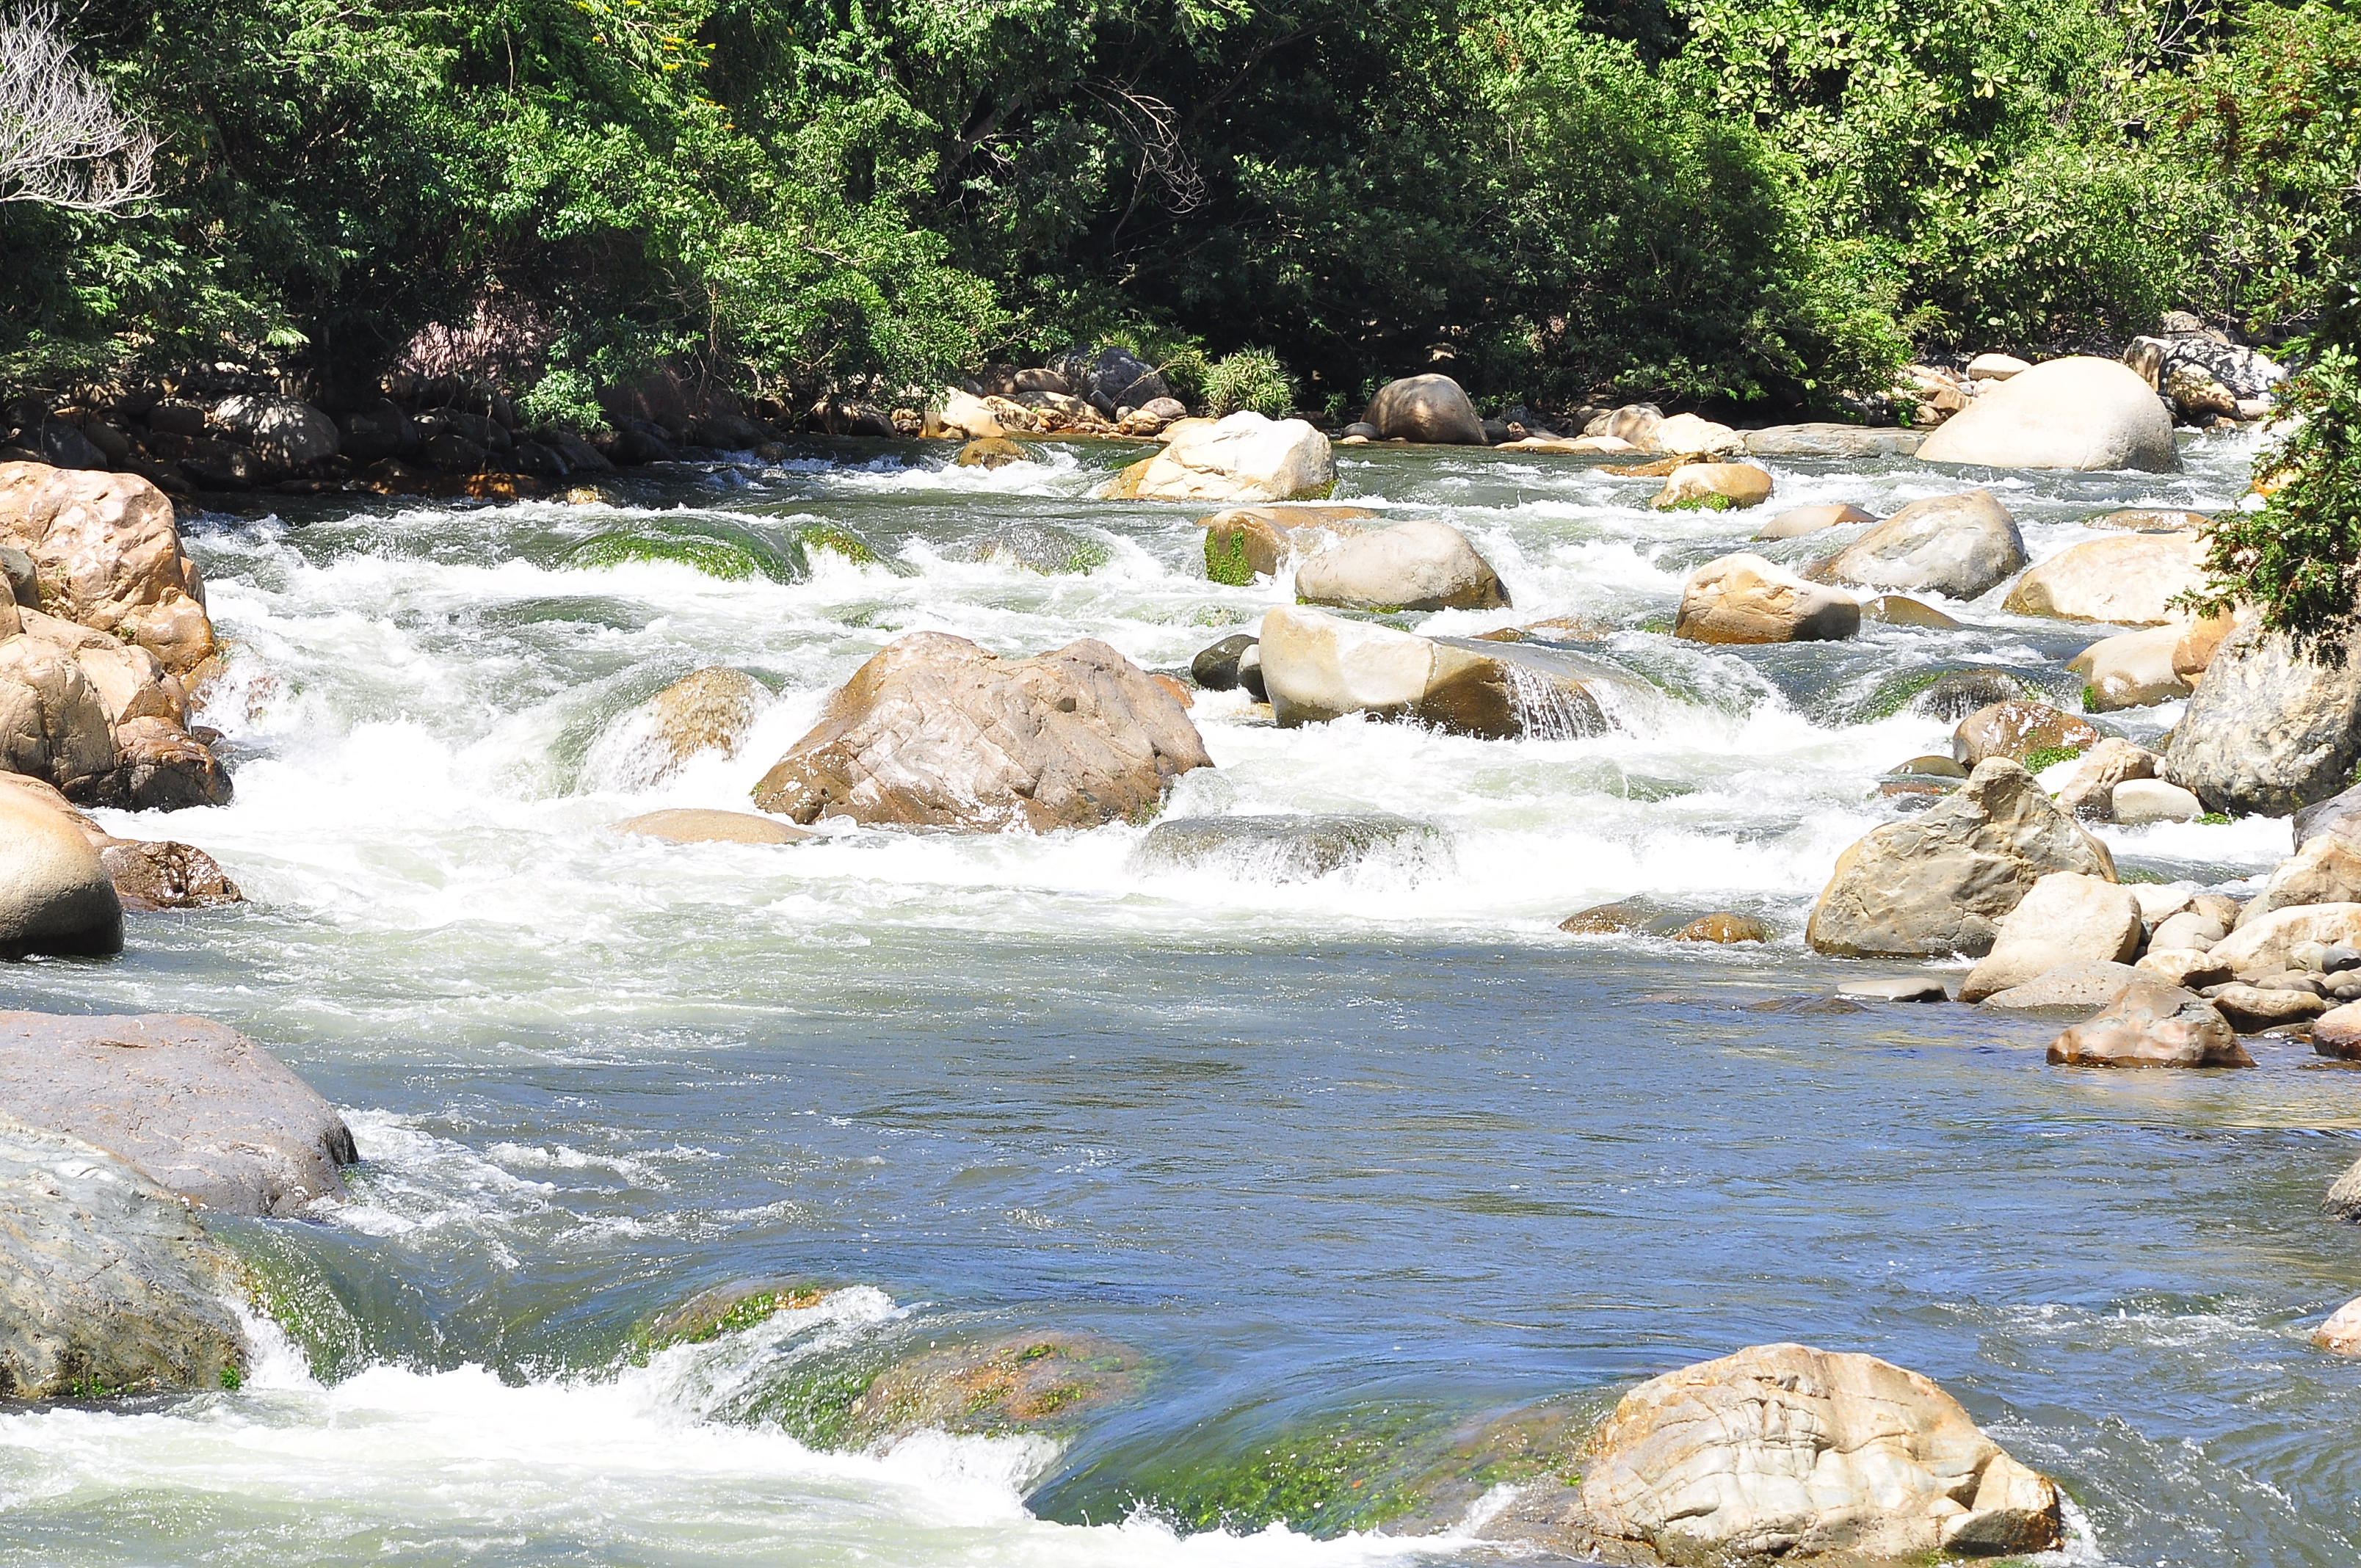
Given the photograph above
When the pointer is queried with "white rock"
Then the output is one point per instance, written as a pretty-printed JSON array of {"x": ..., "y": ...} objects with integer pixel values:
[
  {"x": 2130, "y": 579},
  {"x": 1411, "y": 565},
  {"x": 2139, "y": 801},
  {"x": 2134, "y": 668},
  {"x": 1744, "y": 598},
  {"x": 2078, "y": 412},
  {"x": 2065, "y": 917},
  {"x": 1243, "y": 457},
  {"x": 55, "y": 894},
  {"x": 1996, "y": 367}
]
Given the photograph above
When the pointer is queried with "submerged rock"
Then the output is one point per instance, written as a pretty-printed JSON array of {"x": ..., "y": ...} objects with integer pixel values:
[
  {"x": 1723, "y": 927},
  {"x": 728, "y": 1309},
  {"x": 1433, "y": 409},
  {"x": 1940, "y": 882},
  {"x": 2152, "y": 1025},
  {"x": 718, "y": 550},
  {"x": 711, "y": 710},
  {"x": 2268, "y": 731},
  {"x": 1024, "y": 1382},
  {"x": 1956, "y": 694},
  {"x": 935, "y": 731},
  {"x": 2078, "y": 412},
  {"x": 1319, "y": 667},
  {"x": 1286, "y": 848},
  {"x": 1786, "y": 1452},
  {"x": 1411, "y": 565},
  {"x": 1961, "y": 546},
  {"x": 108, "y": 1285},
  {"x": 197, "y": 1106}
]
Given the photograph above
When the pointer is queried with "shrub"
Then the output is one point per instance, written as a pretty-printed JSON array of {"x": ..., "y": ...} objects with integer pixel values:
[{"x": 1250, "y": 378}]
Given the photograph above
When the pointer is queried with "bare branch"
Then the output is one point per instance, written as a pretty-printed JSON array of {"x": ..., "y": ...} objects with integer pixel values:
[{"x": 62, "y": 141}]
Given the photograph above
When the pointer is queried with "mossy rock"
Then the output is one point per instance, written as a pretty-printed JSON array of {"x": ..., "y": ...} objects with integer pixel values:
[
  {"x": 838, "y": 540},
  {"x": 1040, "y": 547},
  {"x": 1028, "y": 1382},
  {"x": 1225, "y": 559},
  {"x": 732, "y": 555},
  {"x": 728, "y": 1309}
]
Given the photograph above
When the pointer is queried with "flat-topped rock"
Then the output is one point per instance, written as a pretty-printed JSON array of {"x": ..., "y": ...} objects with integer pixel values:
[
  {"x": 197, "y": 1106},
  {"x": 690, "y": 825},
  {"x": 1420, "y": 564},
  {"x": 1839, "y": 442}
]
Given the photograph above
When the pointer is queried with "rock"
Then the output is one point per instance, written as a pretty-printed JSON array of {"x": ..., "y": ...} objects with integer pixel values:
[
  {"x": 1250, "y": 674},
  {"x": 2158, "y": 902},
  {"x": 1285, "y": 849},
  {"x": 1411, "y": 565},
  {"x": 109, "y": 557},
  {"x": 1956, "y": 694},
  {"x": 2193, "y": 654},
  {"x": 1745, "y": 598},
  {"x": 1319, "y": 667},
  {"x": 1939, "y": 883},
  {"x": 2148, "y": 519},
  {"x": 380, "y": 430},
  {"x": 1216, "y": 669},
  {"x": 1956, "y": 545},
  {"x": 1720, "y": 486},
  {"x": 978, "y": 419},
  {"x": 2152, "y": 1025},
  {"x": 1634, "y": 423},
  {"x": 2017, "y": 730},
  {"x": 2091, "y": 792},
  {"x": 1724, "y": 927},
  {"x": 1110, "y": 378},
  {"x": 55, "y": 894},
  {"x": 1686, "y": 435},
  {"x": 2187, "y": 929},
  {"x": 2339, "y": 815},
  {"x": 1901, "y": 988},
  {"x": 1895, "y": 609},
  {"x": 282, "y": 431},
  {"x": 2327, "y": 870},
  {"x": 1425, "y": 407},
  {"x": 2133, "y": 670},
  {"x": 66, "y": 446},
  {"x": 1243, "y": 458},
  {"x": 1624, "y": 917},
  {"x": 2065, "y": 917},
  {"x": 20, "y": 584},
  {"x": 2130, "y": 580},
  {"x": 2077, "y": 413},
  {"x": 2264, "y": 945},
  {"x": 148, "y": 875},
  {"x": 990, "y": 452},
  {"x": 1835, "y": 442},
  {"x": 218, "y": 466},
  {"x": 1785, "y": 1451},
  {"x": 683, "y": 825},
  {"x": 160, "y": 766},
  {"x": 196, "y": 1106},
  {"x": 1017, "y": 1383},
  {"x": 935, "y": 731},
  {"x": 729, "y": 1309},
  {"x": 2268, "y": 731},
  {"x": 1039, "y": 547},
  {"x": 53, "y": 726},
  {"x": 2241, "y": 372},
  {"x": 1996, "y": 368},
  {"x": 1362, "y": 430},
  {"x": 2340, "y": 1334},
  {"x": 1931, "y": 766},
  {"x": 2138, "y": 803},
  {"x": 108, "y": 1284},
  {"x": 2188, "y": 967},
  {"x": 2093, "y": 982},
  {"x": 2337, "y": 1033},
  {"x": 2253, "y": 1009},
  {"x": 1796, "y": 522},
  {"x": 1245, "y": 543},
  {"x": 712, "y": 710}
]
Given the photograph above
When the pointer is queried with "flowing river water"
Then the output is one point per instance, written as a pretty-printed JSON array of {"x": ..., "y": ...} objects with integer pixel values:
[{"x": 1346, "y": 1161}]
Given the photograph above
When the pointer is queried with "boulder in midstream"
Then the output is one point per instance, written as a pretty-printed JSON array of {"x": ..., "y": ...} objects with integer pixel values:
[
  {"x": 1420, "y": 564},
  {"x": 1744, "y": 598},
  {"x": 1433, "y": 409},
  {"x": 2130, "y": 579},
  {"x": 1245, "y": 543},
  {"x": 1796, "y": 522},
  {"x": 1036, "y": 1381},
  {"x": 2020, "y": 730},
  {"x": 1282, "y": 848},
  {"x": 2090, "y": 792},
  {"x": 2078, "y": 412},
  {"x": 1242, "y": 457},
  {"x": 1961, "y": 546},
  {"x": 2270, "y": 729},
  {"x": 1319, "y": 667},
  {"x": 2152, "y": 1025},
  {"x": 2135, "y": 669}
]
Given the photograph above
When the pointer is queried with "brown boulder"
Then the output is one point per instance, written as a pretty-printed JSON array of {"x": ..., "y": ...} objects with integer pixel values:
[
  {"x": 1425, "y": 407},
  {"x": 690, "y": 825},
  {"x": 2018, "y": 729},
  {"x": 935, "y": 731},
  {"x": 1246, "y": 542},
  {"x": 109, "y": 557},
  {"x": 2152, "y": 1025}
]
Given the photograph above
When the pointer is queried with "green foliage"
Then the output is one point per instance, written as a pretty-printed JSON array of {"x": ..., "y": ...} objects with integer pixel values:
[
  {"x": 1252, "y": 378},
  {"x": 2043, "y": 757},
  {"x": 1700, "y": 503},
  {"x": 1225, "y": 558}
]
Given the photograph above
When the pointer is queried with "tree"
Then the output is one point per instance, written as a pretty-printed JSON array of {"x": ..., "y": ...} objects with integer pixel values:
[{"x": 62, "y": 141}]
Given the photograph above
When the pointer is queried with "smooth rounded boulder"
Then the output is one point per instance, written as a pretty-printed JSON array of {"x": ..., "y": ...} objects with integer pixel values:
[
  {"x": 2066, "y": 917},
  {"x": 1961, "y": 546},
  {"x": 2152, "y": 1025},
  {"x": 1317, "y": 667},
  {"x": 1729, "y": 487},
  {"x": 55, "y": 894},
  {"x": 1431, "y": 409},
  {"x": 2270, "y": 731},
  {"x": 1242, "y": 457},
  {"x": 1245, "y": 543},
  {"x": 1788, "y": 1452},
  {"x": 1744, "y": 598},
  {"x": 2080, "y": 412},
  {"x": 1939, "y": 883},
  {"x": 2128, "y": 580},
  {"x": 1411, "y": 565},
  {"x": 2133, "y": 669},
  {"x": 1796, "y": 522},
  {"x": 936, "y": 732}
]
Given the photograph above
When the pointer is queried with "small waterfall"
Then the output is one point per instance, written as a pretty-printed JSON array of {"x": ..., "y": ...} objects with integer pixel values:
[{"x": 1550, "y": 709}]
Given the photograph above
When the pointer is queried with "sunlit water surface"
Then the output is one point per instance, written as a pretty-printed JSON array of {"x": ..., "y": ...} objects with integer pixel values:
[{"x": 1371, "y": 1154}]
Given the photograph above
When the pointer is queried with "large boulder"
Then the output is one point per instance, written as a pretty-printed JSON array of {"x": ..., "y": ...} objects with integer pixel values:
[
  {"x": 1745, "y": 598},
  {"x": 1411, "y": 565},
  {"x": 2265, "y": 947},
  {"x": 1787, "y": 1452},
  {"x": 2132, "y": 669},
  {"x": 935, "y": 731},
  {"x": 1960, "y": 545},
  {"x": 2152, "y": 1025},
  {"x": 2064, "y": 917},
  {"x": 152, "y": 760},
  {"x": 1245, "y": 543},
  {"x": 2081, "y": 985},
  {"x": 52, "y": 725},
  {"x": 2016, "y": 729},
  {"x": 1425, "y": 407},
  {"x": 2326, "y": 869},
  {"x": 149, "y": 874},
  {"x": 2268, "y": 730},
  {"x": 2130, "y": 579},
  {"x": 1695, "y": 438},
  {"x": 1940, "y": 882},
  {"x": 282, "y": 431},
  {"x": 109, "y": 557},
  {"x": 108, "y": 1285},
  {"x": 2077, "y": 412},
  {"x": 1243, "y": 457},
  {"x": 1317, "y": 667},
  {"x": 1111, "y": 379},
  {"x": 1716, "y": 486},
  {"x": 195, "y": 1105},
  {"x": 55, "y": 894}
]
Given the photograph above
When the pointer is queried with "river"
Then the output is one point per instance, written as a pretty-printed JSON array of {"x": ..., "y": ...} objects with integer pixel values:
[{"x": 1346, "y": 1161}]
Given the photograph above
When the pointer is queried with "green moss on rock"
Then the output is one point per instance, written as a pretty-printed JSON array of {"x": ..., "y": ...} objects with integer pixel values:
[{"x": 731, "y": 555}]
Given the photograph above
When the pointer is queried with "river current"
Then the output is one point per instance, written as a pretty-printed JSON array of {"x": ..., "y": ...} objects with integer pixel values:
[{"x": 1347, "y": 1160}]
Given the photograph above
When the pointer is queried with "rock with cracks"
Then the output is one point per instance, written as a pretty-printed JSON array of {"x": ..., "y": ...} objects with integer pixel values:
[
  {"x": 936, "y": 732},
  {"x": 2152, "y": 1025},
  {"x": 2268, "y": 730}
]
